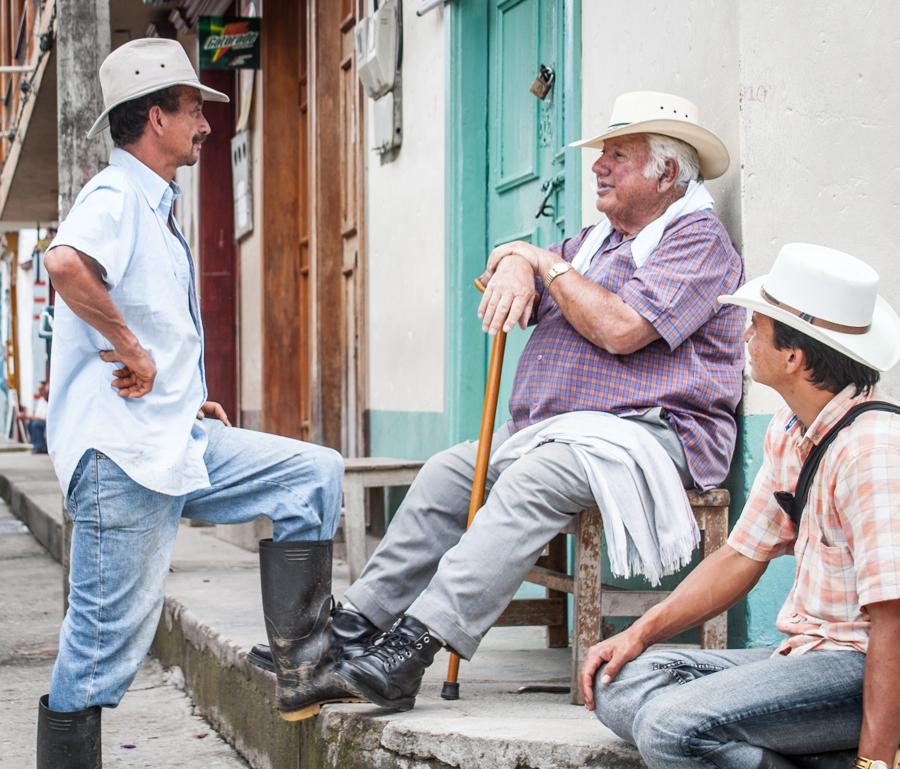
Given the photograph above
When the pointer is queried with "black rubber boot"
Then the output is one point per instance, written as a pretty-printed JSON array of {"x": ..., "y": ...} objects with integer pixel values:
[
  {"x": 390, "y": 672},
  {"x": 68, "y": 740},
  {"x": 296, "y": 597},
  {"x": 351, "y": 634}
]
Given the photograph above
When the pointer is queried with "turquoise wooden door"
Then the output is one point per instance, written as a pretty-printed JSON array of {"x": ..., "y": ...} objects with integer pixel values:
[{"x": 526, "y": 137}]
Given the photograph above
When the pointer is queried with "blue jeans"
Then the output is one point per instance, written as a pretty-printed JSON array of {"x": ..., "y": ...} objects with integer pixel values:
[
  {"x": 123, "y": 535},
  {"x": 736, "y": 708}
]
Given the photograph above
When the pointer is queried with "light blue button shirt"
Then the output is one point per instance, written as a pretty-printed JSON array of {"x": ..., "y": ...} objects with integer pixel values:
[{"x": 120, "y": 220}]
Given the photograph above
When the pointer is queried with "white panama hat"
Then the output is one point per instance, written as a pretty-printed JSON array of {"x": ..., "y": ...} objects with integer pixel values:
[
  {"x": 829, "y": 296},
  {"x": 651, "y": 112},
  {"x": 141, "y": 67}
]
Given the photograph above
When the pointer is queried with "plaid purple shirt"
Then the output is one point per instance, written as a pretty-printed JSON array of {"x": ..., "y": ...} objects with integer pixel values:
[{"x": 693, "y": 372}]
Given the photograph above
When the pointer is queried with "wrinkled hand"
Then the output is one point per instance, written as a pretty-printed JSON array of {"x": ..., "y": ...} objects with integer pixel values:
[
  {"x": 214, "y": 410},
  {"x": 136, "y": 374},
  {"x": 508, "y": 297},
  {"x": 615, "y": 652},
  {"x": 540, "y": 259}
]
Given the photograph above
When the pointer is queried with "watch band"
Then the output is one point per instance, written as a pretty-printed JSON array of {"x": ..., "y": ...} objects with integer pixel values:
[
  {"x": 868, "y": 763},
  {"x": 555, "y": 271}
]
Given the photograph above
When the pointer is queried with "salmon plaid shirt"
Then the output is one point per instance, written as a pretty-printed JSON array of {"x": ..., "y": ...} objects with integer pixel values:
[{"x": 848, "y": 544}]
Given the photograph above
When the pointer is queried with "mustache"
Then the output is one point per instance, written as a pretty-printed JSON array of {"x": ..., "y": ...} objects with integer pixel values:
[{"x": 199, "y": 139}]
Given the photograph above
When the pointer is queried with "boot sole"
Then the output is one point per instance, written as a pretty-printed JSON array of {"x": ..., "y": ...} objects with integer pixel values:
[
  {"x": 399, "y": 703},
  {"x": 311, "y": 711}
]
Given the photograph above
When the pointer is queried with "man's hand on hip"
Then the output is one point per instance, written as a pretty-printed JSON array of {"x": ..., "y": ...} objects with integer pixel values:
[
  {"x": 137, "y": 373},
  {"x": 508, "y": 297},
  {"x": 615, "y": 652}
]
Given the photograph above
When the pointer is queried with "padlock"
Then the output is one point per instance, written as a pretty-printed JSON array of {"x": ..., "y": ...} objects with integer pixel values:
[{"x": 543, "y": 82}]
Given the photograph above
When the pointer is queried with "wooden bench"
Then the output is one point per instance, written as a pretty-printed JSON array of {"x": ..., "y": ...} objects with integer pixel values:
[
  {"x": 593, "y": 600},
  {"x": 361, "y": 473}
]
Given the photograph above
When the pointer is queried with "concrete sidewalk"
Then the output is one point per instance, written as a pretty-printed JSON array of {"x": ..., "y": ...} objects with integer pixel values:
[{"x": 213, "y": 615}]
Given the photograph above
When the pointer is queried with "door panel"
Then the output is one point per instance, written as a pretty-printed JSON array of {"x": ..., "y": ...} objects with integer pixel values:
[{"x": 525, "y": 138}]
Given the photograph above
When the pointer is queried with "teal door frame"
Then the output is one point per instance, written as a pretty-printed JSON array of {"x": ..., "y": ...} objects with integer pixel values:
[{"x": 466, "y": 166}]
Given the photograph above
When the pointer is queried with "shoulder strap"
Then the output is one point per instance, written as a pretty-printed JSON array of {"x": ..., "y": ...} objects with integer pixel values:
[{"x": 793, "y": 504}]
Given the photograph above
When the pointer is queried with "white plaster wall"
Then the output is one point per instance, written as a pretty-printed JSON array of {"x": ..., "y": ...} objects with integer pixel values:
[
  {"x": 405, "y": 226},
  {"x": 819, "y": 137},
  {"x": 688, "y": 48},
  {"x": 250, "y": 266}
]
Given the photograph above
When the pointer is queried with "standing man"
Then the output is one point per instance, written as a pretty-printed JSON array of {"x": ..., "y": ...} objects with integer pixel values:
[
  {"x": 819, "y": 336},
  {"x": 135, "y": 442}
]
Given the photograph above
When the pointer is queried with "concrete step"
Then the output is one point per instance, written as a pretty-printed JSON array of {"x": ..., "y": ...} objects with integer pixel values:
[{"x": 213, "y": 615}]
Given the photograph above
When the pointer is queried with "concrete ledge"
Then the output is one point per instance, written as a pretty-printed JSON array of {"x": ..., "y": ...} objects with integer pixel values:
[{"x": 212, "y": 615}]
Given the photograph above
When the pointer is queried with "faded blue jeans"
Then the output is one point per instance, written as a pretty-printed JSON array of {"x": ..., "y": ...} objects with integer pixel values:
[
  {"x": 123, "y": 535},
  {"x": 737, "y": 708}
]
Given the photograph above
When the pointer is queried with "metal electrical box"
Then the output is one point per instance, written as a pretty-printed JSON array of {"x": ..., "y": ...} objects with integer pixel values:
[
  {"x": 242, "y": 181},
  {"x": 377, "y": 47}
]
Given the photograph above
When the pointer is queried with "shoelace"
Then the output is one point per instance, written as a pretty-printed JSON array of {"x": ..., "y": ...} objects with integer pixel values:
[{"x": 393, "y": 647}]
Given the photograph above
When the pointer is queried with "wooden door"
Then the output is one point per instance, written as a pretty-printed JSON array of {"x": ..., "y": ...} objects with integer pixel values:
[
  {"x": 353, "y": 375},
  {"x": 526, "y": 138}
]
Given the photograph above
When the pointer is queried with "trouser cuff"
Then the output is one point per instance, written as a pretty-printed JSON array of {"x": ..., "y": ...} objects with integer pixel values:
[
  {"x": 365, "y": 602},
  {"x": 439, "y": 621}
]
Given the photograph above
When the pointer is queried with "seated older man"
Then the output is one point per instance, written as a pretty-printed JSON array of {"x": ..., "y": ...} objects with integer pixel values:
[{"x": 627, "y": 328}]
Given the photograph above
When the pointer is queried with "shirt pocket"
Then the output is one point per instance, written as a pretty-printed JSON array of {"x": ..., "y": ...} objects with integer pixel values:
[{"x": 839, "y": 599}]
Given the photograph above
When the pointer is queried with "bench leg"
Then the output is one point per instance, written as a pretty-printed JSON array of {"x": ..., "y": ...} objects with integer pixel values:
[
  {"x": 587, "y": 594},
  {"x": 714, "y": 521},
  {"x": 355, "y": 526},
  {"x": 557, "y": 559}
]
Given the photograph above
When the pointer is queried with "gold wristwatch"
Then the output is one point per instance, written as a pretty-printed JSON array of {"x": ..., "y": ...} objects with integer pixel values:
[
  {"x": 868, "y": 763},
  {"x": 555, "y": 271}
]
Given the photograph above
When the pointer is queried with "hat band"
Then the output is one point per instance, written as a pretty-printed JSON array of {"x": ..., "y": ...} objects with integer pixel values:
[{"x": 811, "y": 319}]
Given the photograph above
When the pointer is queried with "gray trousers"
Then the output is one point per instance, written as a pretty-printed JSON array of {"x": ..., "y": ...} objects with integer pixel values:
[{"x": 458, "y": 582}]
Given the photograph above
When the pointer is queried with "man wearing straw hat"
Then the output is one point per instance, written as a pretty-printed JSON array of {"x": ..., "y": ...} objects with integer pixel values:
[
  {"x": 134, "y": 440},
  {"x": 630, "y": 349},
  {"x": 819, "y": 335}
]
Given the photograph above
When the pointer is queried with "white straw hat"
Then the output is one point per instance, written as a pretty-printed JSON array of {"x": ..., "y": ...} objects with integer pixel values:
[
  {"x": 829, "y": 296},
  {"x": 650, "y": 112},
  {"x": 141, "y": 67}
]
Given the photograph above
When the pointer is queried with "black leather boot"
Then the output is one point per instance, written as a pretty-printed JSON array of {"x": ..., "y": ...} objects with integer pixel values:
[
  {"x": 351, "y": 634},
  {"x": 68, "y": 740},
  {"x": 390, "y": 672},
  {"x": 296, "y": 596}
]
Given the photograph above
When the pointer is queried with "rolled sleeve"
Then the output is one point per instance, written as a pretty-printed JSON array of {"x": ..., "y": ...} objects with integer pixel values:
[
  {"x": 763, "y": 531},
  {"x": 677, "y": 288},
  {"x": 868, "y": 496},
  {"x": 102, "y": 224}
]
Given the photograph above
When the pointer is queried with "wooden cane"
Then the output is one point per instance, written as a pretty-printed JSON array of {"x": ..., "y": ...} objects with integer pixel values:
[{"x": 450, "y": 690}]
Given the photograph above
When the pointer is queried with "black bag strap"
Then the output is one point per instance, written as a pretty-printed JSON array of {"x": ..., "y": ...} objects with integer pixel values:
[{"x": 793, "y": 504}]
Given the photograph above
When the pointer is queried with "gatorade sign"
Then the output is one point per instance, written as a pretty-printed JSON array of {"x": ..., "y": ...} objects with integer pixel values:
[{"x": 229, "y": 42}]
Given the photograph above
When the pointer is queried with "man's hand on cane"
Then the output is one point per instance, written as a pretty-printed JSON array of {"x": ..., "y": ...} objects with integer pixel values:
[{"x": 508, "y": 296}]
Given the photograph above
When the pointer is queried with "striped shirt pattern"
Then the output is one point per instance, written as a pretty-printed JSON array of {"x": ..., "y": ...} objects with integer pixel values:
[
  {"x": 847, "y": 547},
  {"x": 693, "y": 372}
]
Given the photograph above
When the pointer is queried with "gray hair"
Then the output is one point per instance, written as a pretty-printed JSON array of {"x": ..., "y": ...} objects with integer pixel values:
[{"x": 663, "y": 148}]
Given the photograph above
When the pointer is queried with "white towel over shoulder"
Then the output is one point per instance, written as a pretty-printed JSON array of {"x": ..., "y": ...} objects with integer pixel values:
[{"x": 647, "y": 521}]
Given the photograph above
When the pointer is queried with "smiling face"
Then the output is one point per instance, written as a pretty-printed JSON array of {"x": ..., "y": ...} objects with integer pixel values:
[{"x": 628, "y": 198}]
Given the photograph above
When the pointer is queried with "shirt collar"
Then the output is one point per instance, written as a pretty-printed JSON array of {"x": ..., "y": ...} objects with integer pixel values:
[
  {"x": 159, "y": 193},
  {"x": 828, "y": 417}
]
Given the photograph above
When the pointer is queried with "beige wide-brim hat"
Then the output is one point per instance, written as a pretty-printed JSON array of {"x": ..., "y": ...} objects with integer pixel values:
[
  {"x": 141, "y": 67},
  {"x": 642, "y": 112},
  {"x": 829, "y": 296}
]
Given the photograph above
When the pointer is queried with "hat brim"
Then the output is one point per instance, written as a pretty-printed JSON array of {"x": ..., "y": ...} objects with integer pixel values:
[
  {"x": 713, "y": 154},
  {"x": 208, "y": 94},
  {"x": 877, "y": 348}
]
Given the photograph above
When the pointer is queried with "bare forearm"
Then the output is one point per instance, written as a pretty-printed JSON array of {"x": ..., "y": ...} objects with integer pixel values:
[
  {"x": 84, "y": 292},
  {"x": 880, "y": 733},
  {"x": 599, "y": 315},
  {"x": 717, "y": 583}
]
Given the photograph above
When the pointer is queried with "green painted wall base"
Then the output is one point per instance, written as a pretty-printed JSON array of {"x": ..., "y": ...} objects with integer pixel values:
[{"x": 752, "y": 621}]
